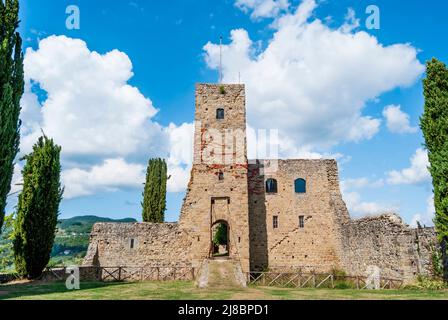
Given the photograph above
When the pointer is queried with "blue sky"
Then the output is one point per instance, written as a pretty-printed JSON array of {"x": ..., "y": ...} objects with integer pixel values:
[{"x": 164, "y": 41}]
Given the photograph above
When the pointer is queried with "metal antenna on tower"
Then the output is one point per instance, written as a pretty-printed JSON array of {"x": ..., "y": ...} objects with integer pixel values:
[{"x": 220, "y": 59}]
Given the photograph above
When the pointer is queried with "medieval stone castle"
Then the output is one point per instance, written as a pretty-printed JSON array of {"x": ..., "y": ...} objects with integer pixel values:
[{"x": 289, "y": 218}]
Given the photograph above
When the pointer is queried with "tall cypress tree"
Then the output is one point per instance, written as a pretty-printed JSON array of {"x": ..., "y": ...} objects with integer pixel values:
[
  {"x": 154, "y": 195},
  {"x": 434, "y": 124},
  {"x": 11, "y": 90},
  {"x": 38, "y": 207}
]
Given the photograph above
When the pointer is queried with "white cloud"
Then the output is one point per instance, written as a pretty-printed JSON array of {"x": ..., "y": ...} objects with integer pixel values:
[
  {"x": 397, "y": 121},
  {"x": 351, "y": 22},
  {"x": 90, "y": 109},
  {"x": 417, "y": 173},
  {"x": 104, "y": 125},
  {"x": 181, "y": 156},
  {"x": 312, "y": 82},
  {"x": 179, "y": 178},
  {"x": 356, "y": 206},
  {"x": 111, "y": 175},
  {"x": 31, "y": 112},
  {"x": 427, "y": 218},
  {"x": 360, "y": 183},
  {"x": 262, "y": 8},
  {"x": 17, "y": 180},
  {"x": 359, "y": 208},
  {"x": 116, "y": 174},
  {"x": 181, "y": 144}
]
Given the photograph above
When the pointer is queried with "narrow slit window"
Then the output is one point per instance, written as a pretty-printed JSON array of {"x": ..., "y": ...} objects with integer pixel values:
[
  {"x": 221, "y": 176},
  {"x": 302, "y": 222},
  {"x": 132, "y": 243},
  {"x": 275, "y": 222}
]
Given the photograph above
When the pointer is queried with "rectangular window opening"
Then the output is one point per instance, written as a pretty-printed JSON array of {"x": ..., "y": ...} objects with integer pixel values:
[
  {"x": 302, "y": 222},
  {"x": 275, "y": 222}
]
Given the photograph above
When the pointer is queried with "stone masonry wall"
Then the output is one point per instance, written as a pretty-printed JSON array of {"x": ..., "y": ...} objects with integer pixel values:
[
  {"x": 386, "y": 242},
  {"x": 154, "y": 245},
  {"x": 318, "y": 245}
]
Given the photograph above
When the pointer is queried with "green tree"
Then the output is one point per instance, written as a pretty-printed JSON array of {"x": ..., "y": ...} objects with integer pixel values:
[
  {"x": 434, "y": 124},
  {"x": 154, "y": 195},
  {"x": 11, "y": 90},
  {"x": 6, "y": 250},
  {"x": 38, "y": 209}
]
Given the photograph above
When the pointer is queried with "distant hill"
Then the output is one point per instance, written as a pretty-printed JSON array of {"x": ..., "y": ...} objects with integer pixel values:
[
  {"x": 70, "y": 244},
  {"x": 84, "y": 224},
  {"x": 72, "y": 238}
]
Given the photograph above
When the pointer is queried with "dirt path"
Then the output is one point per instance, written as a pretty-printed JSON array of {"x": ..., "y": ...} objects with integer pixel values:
[{"x": 220, "y": 273}]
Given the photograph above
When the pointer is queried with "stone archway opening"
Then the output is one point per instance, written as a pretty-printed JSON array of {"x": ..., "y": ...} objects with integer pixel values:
[{"x": 220, "y": 246}]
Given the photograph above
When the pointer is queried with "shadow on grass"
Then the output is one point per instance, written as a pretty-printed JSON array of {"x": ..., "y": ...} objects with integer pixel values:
[
  {"x": 174, "y": 290},
  {"x": 39, "y": 288}
]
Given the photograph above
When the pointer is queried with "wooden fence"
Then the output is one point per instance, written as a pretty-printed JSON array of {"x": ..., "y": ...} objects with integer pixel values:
[
  {"x": 317, "y": 280},
  {"x": 147, "y": 273},
  {"x": 119, "y": 274},
  {"x": 189, "y": 273}
]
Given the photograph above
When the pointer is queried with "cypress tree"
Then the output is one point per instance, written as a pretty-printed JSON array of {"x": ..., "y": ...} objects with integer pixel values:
[
  {"x": 154, "y": 194},
  {"x": 11, "y": 90},
  {"x": 38, "y": 208},
  {"x": 434, "y": 124},
  {"x": 6, "y": 249}
]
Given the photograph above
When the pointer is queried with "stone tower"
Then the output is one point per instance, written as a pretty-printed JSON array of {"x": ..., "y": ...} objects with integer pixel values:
[{"x": 218, "y": 189}]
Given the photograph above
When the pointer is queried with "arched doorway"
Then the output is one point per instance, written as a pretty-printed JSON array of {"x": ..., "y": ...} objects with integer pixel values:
[{"x": 220, "y": 239}]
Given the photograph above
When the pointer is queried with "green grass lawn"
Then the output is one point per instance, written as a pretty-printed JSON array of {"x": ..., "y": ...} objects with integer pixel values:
[{"x": 177, "y": 290}]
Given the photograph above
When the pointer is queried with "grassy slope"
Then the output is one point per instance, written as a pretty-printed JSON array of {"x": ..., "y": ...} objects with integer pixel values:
[{"x": 187, "y": 290}]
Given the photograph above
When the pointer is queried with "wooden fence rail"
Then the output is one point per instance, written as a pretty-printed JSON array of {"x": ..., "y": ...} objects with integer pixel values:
[
  {"x": 189, "y": 273},
  {"x": 316, "y": 280},
  {"x": 120, "y": 274}
]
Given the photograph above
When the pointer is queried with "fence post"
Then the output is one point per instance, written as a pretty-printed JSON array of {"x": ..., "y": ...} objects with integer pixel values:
[{"x": 119, "y": 273}]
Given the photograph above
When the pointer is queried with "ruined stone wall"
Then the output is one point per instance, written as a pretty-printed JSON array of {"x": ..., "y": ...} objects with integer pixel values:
[
  {"x": 318, "y": 245},
  {"x": 426, "y": 244},
  {"x": 153, "y": 245},
  {"x": 386, "y": 242},
  {"x": 219, "y": 148}
]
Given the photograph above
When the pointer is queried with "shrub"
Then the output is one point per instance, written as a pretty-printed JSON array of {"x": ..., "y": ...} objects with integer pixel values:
[{"x": 427, "y": 283}]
